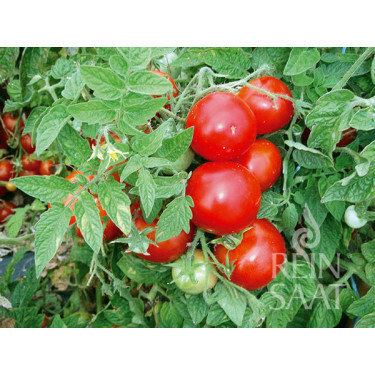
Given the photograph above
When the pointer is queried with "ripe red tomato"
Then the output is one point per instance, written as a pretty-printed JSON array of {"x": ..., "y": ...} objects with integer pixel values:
[
  {"x": 3, "y": 145},
  {"x": 6, "y": 209},
  {"x": 162, "y": 74},
  {"x": 165, "y": 251},
  {"x": 29, "y": 164},
  {"x": 10, "y": 122},
  {"x": 3, "y": 137},
  {"x": 224, "y": 126},
  {"x": 27, "y": 143},
  {"x": 263, "y": 159},
  {"x": 6, "y": 170},
  {"x": 47, "y": 168},
  {"x": 28, "y": 173},
  {"x": 258, "y": 258},
  {"x": 226, "y": 197},
  {"x": 111, "y": 231},
  {"x": 271, "y": 116}
]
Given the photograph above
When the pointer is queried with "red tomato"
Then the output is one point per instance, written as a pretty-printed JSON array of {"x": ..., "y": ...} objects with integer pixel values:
[
  {"x": 175, "y": 89},
  {"x": 10, "y": 122},
  {"x": 263, "y": 159},
  {"x": 224, "y": 126},
  {"x": 348, "y": 136},
  {"x": 226, "y": 197},
  {"x": 27, "y": 143},
  {"x": 258, "y": 258},
  {"x": 271, "y": 116},
  {"x": 3, "y": 137},
  {"x": 6, "y": 209},
  {"x": 165, "y": 251},
  {"x": 29, "y": 164},
  {"x": 6, "y": 170},
  {"x": 28, "y": 173},
  {"x": 47, "y": 168}
]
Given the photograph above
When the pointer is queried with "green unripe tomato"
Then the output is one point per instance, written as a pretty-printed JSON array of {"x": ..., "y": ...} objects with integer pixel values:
[
  {"x": 182, "y": 163},
  {"x": 186, "y": 284},
  {"x": 352, "y": 219},
  {"x": 164, "y": 64}
]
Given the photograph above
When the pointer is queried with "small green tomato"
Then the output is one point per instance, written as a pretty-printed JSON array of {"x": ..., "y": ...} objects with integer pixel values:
[
  {"x": 352, "y": 219},
  {"x": 197, "y": 286},
  {"x": 182, "y": 163}
]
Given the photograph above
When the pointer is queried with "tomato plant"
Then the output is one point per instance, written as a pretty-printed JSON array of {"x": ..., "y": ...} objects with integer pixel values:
[
  {"x": 187, "y": 219},
  {"x": 258, "y": 258},
  {"x": 224, "y": 126},
  {"x": 226, "y": 197},
  {"x": 271, "y": 114}
]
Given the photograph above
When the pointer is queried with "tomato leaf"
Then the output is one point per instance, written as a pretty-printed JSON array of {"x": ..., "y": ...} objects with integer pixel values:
[
  {"x": 172, "y": 148},
  {"x": 46, "y": 188},
  {"x": 116, "y": 203},
  {"x": 149, "y": 83},
  {"x": 175, "y": 218},
  {"x": 50, "y": 231},
  {"x": 88, "y": 220},
  {"x": 300, "y": 60},
  {"x": 92, "y": 112}
]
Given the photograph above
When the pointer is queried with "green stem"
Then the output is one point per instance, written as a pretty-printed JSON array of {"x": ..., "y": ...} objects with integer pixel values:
[
  {"x": 340, "y": 84},
  {"x": 99, "y": 301},
  {"x": 16, "y": 241},
  {"x": 171, "y": 114}
]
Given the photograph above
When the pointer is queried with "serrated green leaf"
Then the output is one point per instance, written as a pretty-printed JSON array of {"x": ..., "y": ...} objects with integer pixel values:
[
  {"x": 73, "y": 87},
  {"x": 93, "y": 112},
  {"x": 147, "y": 189},
  {"x": 46, "y": 188},
  {"x": 50, "y": 127},
  {"x": 15, "y": 222},
  {"x": 300, "y": 60},
  {"x": 149, "y": 83},
  {"x": 88, "y": 220},
  {"x": 116, "y": 203},
  {"x": 50, "y": 231},
  {"x": 105, "y": 83},
  {"x": 173, "y": 148},
  {"x": 8, "y": 59},
  {"x": 175, "y": 218}
]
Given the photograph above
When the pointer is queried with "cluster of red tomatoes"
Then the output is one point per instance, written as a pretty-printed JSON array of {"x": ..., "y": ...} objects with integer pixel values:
[
  {"x": 226, "y": 190},
  {"x": 12, "y": 164}
]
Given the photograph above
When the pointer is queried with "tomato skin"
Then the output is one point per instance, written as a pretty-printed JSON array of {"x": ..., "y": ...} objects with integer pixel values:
[
  {"x": 10, "y": 122},
  {"x": 258, "y": 258},
  {"x": 27, "y": 143},
  {"x": 3, "y": 191},
  {"x": 224, "y": 126},
  {"x": 165, "y": 251},
  {"x": 269, "y": 118},
  {"x": 6, "y": 170},
  {"x": 263, "y": 159},
  {"x": 47, "y": 168},
  {"x": 3, "y": 145},
  {"x": 226, "y": 197},
  {"x": 3, "y": 137},
  {"x": 183, "y": 281},
  {"x": 29, "y": 164},
  {"x": 170, "y": 79},
  {"x": 6, "y": 209},
  {"x": 10, "y": 186}
]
